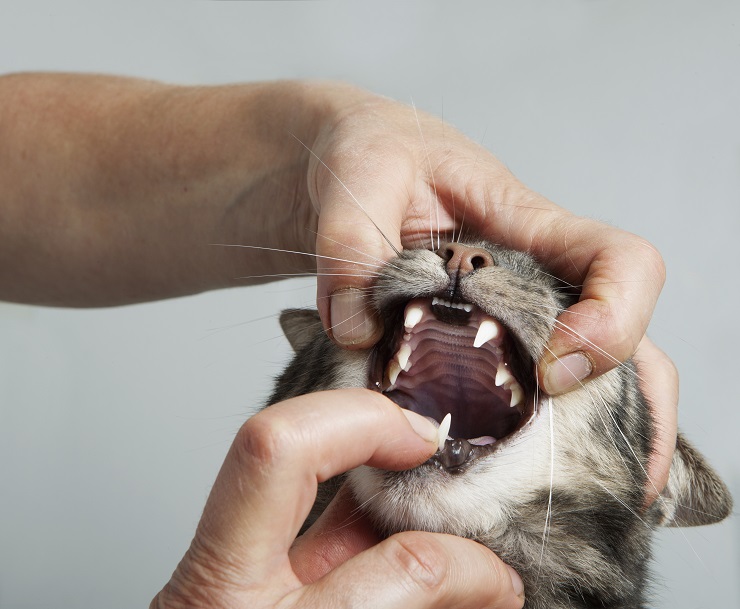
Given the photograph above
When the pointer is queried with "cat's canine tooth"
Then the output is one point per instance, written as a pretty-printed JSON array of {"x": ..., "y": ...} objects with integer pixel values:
[
  {"x": 487, "y": 330},
  {"x": 394, "y": 369},
  {"x": 517, "y": 393},
  {"x": 413, "y": 317},
  {"x": 502, "y": 374},
  {"x": 444, "y": 429},
  {"x": 403, "y": 357}
]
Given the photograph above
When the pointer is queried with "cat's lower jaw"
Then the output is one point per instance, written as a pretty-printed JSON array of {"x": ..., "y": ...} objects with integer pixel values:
[{"x": 468, "y": 501}]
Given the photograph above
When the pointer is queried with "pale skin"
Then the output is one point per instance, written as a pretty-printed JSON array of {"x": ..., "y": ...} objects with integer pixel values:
[{"x": 115, "y": 191}]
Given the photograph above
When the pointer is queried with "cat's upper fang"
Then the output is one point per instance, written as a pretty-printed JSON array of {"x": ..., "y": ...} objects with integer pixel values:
[
  {"x": 488, "y": 329},
  {"x": 413, "y": 316}
]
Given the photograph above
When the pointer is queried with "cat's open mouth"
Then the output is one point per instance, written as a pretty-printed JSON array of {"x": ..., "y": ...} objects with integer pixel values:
[{"x": 451, "y": 357}]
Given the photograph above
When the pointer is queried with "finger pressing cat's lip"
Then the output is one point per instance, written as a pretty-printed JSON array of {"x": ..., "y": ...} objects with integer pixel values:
[{"x": 450, "y": 356}]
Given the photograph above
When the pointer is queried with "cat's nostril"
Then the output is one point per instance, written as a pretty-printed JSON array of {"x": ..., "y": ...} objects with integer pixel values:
[
  {"x": 448, "y": 253},
  {"x": 462, "y": 259}
]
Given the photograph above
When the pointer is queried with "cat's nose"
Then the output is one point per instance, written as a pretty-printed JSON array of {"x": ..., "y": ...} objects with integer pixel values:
[{"x": 461, "y": 259}]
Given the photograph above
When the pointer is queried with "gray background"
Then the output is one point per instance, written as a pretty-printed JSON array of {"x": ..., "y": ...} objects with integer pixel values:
[{"x": 113, "y": 423}]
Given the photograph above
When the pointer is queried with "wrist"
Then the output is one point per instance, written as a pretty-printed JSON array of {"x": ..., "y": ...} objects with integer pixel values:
[{"x": 282, "y": 122}]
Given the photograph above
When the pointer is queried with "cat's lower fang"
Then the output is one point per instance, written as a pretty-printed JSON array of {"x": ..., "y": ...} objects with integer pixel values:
[
  {"x": 394, "y": 369},
  {"x": 517, "y": 394},
  {"x": 403, "y": 355},
  {"x": 444, "y": 430},
  {"x": 502, "y": 374}
]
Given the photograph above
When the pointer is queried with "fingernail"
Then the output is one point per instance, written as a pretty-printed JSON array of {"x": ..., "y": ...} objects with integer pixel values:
[
  {"x": 516, "y": 582},
  {"x": 566, "y": 372},
  {"x": 351, "y": 322},
  {"x": 421, "y": 425}
]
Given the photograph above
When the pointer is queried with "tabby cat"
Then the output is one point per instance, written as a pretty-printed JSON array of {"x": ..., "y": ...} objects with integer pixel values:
[{"x": 555, "y": 486}]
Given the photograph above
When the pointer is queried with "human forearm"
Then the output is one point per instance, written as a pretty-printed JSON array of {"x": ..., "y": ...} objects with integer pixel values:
[{"x": 113, "y": 190}]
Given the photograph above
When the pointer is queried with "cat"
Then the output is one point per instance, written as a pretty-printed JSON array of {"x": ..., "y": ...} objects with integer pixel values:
[{"x": 555, "y": 486}]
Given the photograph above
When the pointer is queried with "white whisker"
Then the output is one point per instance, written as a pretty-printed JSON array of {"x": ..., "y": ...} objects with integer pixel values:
[
  {"x": 274, "y": 249},
  {"x": 349, "y": 192},
  {"x": 434, "y": 183},
  {"x": 548, "y": 515},
  {"x": 380, "y": 261}
]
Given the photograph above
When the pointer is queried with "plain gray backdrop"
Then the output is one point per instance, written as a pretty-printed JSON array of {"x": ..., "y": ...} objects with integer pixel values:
[{"x": 113, "y": 423}]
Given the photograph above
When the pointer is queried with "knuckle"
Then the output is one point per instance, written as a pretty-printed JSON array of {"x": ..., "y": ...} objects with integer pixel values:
[
  {"x": 420, "y": 559},
  {"x": 631, "y": 247},
  {"x": 670, "y": 370},
  {"x": 656, "y": 361},
  {"x": 265, "y": 438},
  {"x": 623, "y": 341},
  {"x": 612, "y": 339},
  {"x": 651, "y": 258}
]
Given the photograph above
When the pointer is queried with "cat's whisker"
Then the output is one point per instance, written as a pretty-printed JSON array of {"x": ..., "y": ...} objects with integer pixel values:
[
  {"x": 556, "y": 310},
  {"x": 548, "y": 514},
  {"x": 532, "y": 207},
  {"x": 350, "y": 318},
  {"x": 380, "y": 261},
  {"x": 342, "y": 269},
  {"x": 349, "y": 192},
  {"x": 624, "y": 505},
  {"x": 590, "y": 343},
  {"x": 597, "y": 400},
  {"x": 434, "y": 183},
  {"x": 354, "y": 516},
  {"x": 214, "y": 331},
  {"x": 629, "y": 446},
  {"x": 472, "y": 170},
  {"x": 298, "y": 275},
  {"x": 274, "y": 249},
  {"x": 367, "y": 290},
  {"x": 570, "y": 285}
]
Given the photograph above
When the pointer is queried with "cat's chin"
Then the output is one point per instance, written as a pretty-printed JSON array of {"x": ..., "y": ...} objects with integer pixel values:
[
  {"x": 451, "y": 357},
  {"x": 472, "y": 500}
]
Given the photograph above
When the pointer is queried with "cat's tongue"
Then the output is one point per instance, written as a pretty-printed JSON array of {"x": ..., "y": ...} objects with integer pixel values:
[{"x": 453, "y": 358}]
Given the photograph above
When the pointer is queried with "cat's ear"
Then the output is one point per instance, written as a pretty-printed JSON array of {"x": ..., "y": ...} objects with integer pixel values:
[
  {"x": 694, "y": 495},
  {"x": 300, "y": 326}
]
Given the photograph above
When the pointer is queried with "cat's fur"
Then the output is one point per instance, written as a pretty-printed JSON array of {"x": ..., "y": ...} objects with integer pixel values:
[{"x": 561, "y": 498}]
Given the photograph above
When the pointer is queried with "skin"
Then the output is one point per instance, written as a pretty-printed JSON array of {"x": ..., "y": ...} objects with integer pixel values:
[
  {"x": 115, "y": 191},
  {"x": 243, "y": 553}
]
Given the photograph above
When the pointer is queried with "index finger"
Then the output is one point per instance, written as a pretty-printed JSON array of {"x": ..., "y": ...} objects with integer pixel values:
[
  {"x": 619, "y": 277},
  {"x": 268, "y": 481}
]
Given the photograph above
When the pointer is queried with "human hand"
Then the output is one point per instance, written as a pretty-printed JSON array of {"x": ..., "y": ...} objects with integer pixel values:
[
  {"x": 244, "y": 555},
  {"x": 384, "y": 176}
]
